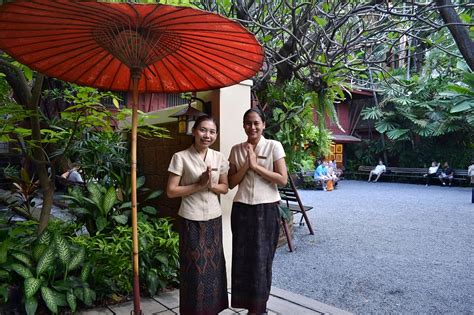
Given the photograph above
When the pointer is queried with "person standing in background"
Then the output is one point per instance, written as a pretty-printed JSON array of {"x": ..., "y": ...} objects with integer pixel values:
[{"x": 470, "y": 172}]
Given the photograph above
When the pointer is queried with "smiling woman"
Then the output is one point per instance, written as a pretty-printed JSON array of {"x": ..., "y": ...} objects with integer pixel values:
[
  {"x": 257, "y": 166},
  {"x": 199, "y": 175}
]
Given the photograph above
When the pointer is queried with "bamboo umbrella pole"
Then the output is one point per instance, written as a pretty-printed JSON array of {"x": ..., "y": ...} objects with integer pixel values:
[{"x": 136, "y": 282}]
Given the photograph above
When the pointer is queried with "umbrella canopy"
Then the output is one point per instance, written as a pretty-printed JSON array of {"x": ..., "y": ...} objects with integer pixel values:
[
  {"x": 99, "y": 44},
  {"x": 129, "y": 47}
]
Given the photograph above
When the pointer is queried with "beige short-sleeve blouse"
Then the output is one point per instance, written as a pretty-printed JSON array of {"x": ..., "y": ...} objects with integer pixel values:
[
  {"x": 203, "y": 205},
  {"x": 254, "y": 189}
]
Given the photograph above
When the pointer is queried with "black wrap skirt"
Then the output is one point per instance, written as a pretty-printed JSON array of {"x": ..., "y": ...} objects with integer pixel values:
[{"x": 255, "y": 231}]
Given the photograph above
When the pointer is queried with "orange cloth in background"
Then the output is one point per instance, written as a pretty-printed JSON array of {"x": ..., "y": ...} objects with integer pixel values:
[{"x": 330, "y": 186}]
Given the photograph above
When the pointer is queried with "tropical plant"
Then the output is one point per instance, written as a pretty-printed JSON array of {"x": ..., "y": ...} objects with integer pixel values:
[
  {"x": 97, "y": 207},
  {"x": 109, "y": 255},
  {"x": 366, "y": 152},
  {"x": 103, "y": 157},
  {"x": 50, "y": 268},
  {"x": 427, "y": 106},
  {"x": 292, "y": 123},
  {"x": 46, "y": 140},
  {"x": 159, "y": 252},
  {"x": 101, "y": 206},
  {"x": 25, "y": 189}
]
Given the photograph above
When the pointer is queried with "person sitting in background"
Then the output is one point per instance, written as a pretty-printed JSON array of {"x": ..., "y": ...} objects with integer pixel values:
[
  {"x": 432, "y": 171},
  {"x": 470, "y": 172},
  {"x": 72, "y": 174},
  {"x": 331, "y": 170},
  {"x": 378, "y": 170},
  {"x": 321, "y": 174},
  {"x": 446, "y": 173},
  {"x": 337, "y": 171}
]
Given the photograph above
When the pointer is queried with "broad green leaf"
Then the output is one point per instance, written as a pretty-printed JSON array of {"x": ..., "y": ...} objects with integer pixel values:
[
  {"x": 89, "y": 296},
  {"x": 325, "y": 6},
  {"x": 95, "y": 193},
  {"x": 71, "y": 301},
  {"x": 383, "y": 126},
  {"x": 397, "y": 133},
  {"x": 48, "y": 297},
  {"x": 77, "y": 259},
  {"x": 463, "y": 106},
  {"x": 154, "y": 194},
  {"x": 109, "y": 200},
  {"x": 116, "y": 103},
  {"x": 85, "y": 272},
  {"x": 45, "y": 238},
  {"x": 22, "y": 270},
  {"x": 39, "y": 250},
  {"x": 465, "y": 18},
  {"x": 141, "y": 181},
  {"x": 152, "y": 281},
  {"x": 149, "y": 210},
  {"x": 127, "y": 204},
  {"x": 320, "y": 21},
  {"x": 45, "y": 261},
  {"x": 31, "y": 305},
  {"x": 101, "y": 223},
  {"x": 60, "y": 298},
  {"x": 461, "y": 90},
  {"x": 28, "y": 73},
  {"x": 79, "y": 293},
  {"x": 267, "y": 38},
  {"x": 4, "y": 274},
  {"x": 162, "y": 258},
  {"x": 4, "y": 251},
  {"x": 62, "y": 248},
  {"x": 122, "y": 219},
  {"x": 31, "y": 286}
]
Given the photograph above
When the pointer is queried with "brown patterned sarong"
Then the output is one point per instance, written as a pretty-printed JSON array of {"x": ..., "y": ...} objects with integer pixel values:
[
  {"x": 255, "y": 230},
  {"x": 203, "y": 282}
]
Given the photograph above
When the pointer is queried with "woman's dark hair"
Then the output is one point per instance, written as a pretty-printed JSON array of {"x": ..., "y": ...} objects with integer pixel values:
[
  {"x": 205, "y": 118},
  {"x": 256, "y": 111}
]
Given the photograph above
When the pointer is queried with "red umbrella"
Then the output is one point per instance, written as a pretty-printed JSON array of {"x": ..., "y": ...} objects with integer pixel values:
[{"x": 129, "y": 47}]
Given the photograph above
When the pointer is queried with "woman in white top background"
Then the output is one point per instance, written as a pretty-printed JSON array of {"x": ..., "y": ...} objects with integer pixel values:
[
  {"x": 432, "y": 172},
  {"x": 198, "y": 175},
  {"x": 257, "y": 166}
]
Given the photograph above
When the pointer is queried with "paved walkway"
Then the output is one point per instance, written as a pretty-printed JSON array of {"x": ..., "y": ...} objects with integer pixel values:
[
  {"x": 384, "y": 248},
  {"x": 280, "y": 302}
]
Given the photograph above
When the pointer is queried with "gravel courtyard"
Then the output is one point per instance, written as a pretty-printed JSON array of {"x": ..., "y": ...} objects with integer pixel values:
[{"x": 384, "y": 248}]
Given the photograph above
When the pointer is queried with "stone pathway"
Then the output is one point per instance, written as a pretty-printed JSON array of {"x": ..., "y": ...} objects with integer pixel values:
[{"x": 280, "y": 302}]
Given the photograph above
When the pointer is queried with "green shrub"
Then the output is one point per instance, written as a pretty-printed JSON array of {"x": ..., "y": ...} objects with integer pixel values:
[
  {"x": 111, "y": 257},
  {"x": 49, "y": 268}
]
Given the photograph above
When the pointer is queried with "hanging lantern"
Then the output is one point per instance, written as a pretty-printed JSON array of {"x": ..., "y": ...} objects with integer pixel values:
[{"x": 187, "y": 117}]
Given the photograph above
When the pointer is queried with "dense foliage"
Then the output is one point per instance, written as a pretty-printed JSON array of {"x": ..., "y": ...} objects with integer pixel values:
[
  {"x": 425, "y": 117},
  {"x": 292, "y": 123}
]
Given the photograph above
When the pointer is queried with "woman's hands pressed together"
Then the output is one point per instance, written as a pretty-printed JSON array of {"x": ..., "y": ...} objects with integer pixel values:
[{"x": 251, "y": 157}]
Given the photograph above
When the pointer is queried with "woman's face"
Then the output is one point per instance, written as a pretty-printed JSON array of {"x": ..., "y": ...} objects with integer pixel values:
[
  {"x": 205, "y": 134},
  {"x": 253, "y": 126}
]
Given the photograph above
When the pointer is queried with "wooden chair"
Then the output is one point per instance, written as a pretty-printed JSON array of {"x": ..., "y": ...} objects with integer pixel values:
[{"x": 291, "y": 199}]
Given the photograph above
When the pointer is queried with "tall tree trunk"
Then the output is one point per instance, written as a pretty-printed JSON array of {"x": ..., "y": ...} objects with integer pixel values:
[
  {"x": 39, "y": 156},
  {"x": 30, "y": 100},
  {"x": 460, "y": 32}
]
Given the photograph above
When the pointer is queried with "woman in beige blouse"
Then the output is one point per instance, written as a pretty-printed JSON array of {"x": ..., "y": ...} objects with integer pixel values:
[
  {"x": 198, "y": 175},
  {"x": 257, "y": 166}
]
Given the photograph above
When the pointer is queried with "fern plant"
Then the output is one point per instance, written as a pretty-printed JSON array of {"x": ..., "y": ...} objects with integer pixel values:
[{"x": 50, "y": 268}]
